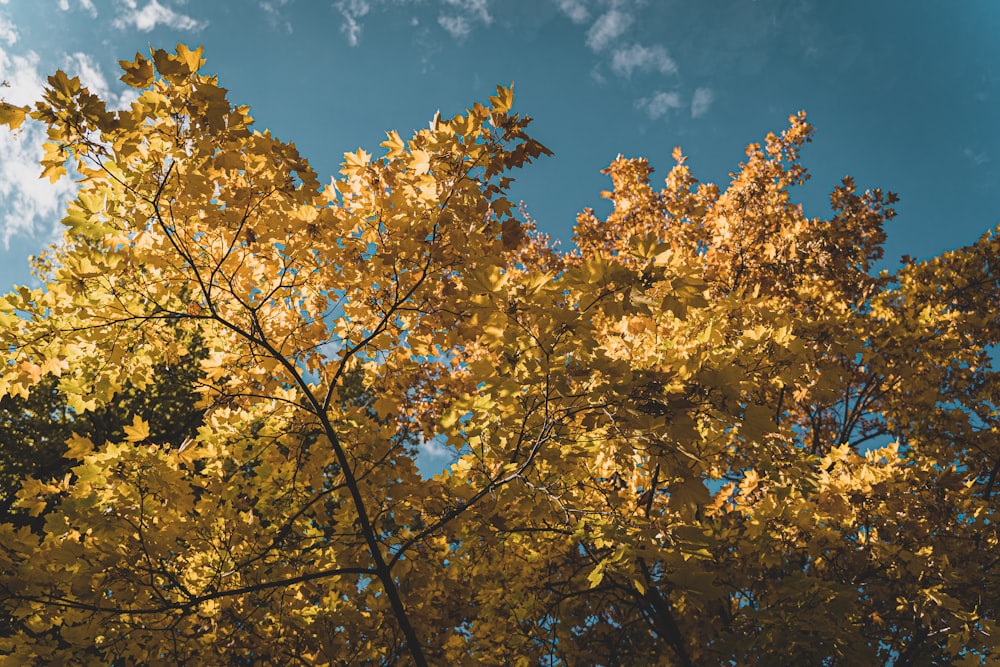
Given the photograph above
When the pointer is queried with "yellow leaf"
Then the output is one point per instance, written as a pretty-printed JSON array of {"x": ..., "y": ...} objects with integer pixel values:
[
  {"x": 192, "y": 59},
  {"x": 138, "y": 431},
  {"x": 486, "y": 279},
  {"x": 421, "y": 162},
  {"x": 394, "y": 144},
  {"x": 503, "y": 100},
  {"x": 355, "y": 162},
  {"x": 53, "y": 172},
  {"x": 138, "y": 72},
  {"x": 78, "y": 446},
  {"x": 597, "y": 574},
  {"x": 12, "y": 116},
  {"x": 63, "y": 85}
]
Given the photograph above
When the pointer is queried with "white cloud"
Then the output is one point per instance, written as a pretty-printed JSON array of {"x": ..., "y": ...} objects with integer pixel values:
[
  {"x": 434, "y": 455},
  {"x": 8, "y": 31},
  {"x": 469, "y": 13},
  {"x": 275, "y": 17},
  {"x": 977, "y": 158},
  {"x": 608, "y": 27},
  {"x": 598, "y": 75},
  {"x": 643, "y": 58},
  {"x": 456, "y": 26},
  {"x": 86, "y": 4},
  {"x": 474, "y": 9},
  {"x": 90, "y": 73},
  {"x": 576, "y": 10},
  {"x": 660, "y": 104},
  {"x": 21, "y": 73},
  {"x": 30, "y": 206},
  {"x": 702, "y": 100},
  {"x": 152, "y": 15},
  {"x": 458, "y": 17},
  {"x": 352, "y": 11}
]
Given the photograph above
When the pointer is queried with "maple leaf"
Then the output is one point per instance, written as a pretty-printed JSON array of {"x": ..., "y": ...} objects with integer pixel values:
[{"x": 137, "y": 431}]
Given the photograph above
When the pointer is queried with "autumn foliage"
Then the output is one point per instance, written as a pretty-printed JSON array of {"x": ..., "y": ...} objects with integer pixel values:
[{"x": 710, "y": 434}]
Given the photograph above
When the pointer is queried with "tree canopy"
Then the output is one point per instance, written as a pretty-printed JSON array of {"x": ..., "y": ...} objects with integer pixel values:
[{"x": 711, "y": 433}]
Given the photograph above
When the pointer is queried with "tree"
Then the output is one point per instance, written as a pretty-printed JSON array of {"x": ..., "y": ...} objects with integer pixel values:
[{"x": 710, "y": 434}]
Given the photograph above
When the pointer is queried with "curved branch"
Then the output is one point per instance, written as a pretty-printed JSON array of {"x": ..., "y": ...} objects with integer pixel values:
[{"x": 188, "y": 604}]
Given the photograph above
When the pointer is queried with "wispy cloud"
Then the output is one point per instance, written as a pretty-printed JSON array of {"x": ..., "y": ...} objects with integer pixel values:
[
  {"x": 611, "y": 35},
  {"x": 463, "y": 15},
  {"x": 154, "y": 14},
  {"x": 576, "y": 10},
  {"x": 456, "y": 17},
  {"x": 607, "y": 28},
  {"x": 456, "y": 26},
  {"x": 8, "y": 31},
  {"x": 434, "y": 455},
  {"x": 86, "y": 4},
  {"x": 352, "y": 11},
  {"x": 977, "y": 158},
  {"x": 275, "y": 17},
  {"x": 21, "y": 72},
  {"x": 478, "y": 10},
  {"x": 30, "y": 206},
  {"x": 641, "y": 58},
  {"x": 701, "y": 101},
  {"x": 659, "y": 104}
]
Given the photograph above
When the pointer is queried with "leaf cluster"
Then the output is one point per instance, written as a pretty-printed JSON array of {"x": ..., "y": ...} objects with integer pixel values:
[{"x": 712, "y": 433}]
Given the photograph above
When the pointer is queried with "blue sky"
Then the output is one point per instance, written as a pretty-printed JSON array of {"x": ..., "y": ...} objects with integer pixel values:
[{"x": 904, "y": 94}]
